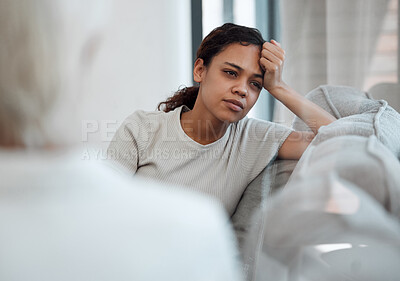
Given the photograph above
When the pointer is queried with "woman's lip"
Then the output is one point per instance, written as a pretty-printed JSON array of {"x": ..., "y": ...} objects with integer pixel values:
[{"x": 234, "y": 104}]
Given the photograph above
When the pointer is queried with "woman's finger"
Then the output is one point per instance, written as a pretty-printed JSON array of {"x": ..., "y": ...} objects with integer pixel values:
[
  {"x": 268, "y": 66},
  {"x": 275, "y": 49},
  {"x": 276, "y": 43},
  {"x": 271, "y": 57}
]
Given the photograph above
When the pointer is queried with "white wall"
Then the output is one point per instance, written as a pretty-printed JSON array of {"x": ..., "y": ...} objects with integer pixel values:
[{"x": 145, "y": 56}]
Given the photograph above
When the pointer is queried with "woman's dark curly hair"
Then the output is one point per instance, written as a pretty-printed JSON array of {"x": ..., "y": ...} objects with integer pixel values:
[{"x": 212, "y": 45}]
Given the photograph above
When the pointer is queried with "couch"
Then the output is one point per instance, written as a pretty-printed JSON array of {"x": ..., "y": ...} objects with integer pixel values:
[{"x": 334, "y": 214}]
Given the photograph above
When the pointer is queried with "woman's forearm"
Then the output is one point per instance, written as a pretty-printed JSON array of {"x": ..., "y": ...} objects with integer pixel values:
[
  {"x": 313, "y": 115},
  {"x": 272, "y": 59}
]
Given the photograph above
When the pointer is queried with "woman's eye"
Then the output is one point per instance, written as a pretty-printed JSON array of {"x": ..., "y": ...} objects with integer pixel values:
[
  {"x": 257, "y": 85},
  {"x": 231, "y": 73}
]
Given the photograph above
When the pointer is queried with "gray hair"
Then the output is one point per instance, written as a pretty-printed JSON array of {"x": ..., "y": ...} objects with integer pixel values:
[{"x": 39, "y": 62}]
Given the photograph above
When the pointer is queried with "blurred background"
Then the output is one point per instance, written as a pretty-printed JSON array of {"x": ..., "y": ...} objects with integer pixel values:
[{"x": 148, "y": 51}]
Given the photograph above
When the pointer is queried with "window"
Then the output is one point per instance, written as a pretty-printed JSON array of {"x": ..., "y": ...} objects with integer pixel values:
[{"x": 385, "y": 60}]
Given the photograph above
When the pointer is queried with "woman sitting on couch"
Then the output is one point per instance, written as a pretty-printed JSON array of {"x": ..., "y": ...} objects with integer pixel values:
[{"x": 203, "y": 139}]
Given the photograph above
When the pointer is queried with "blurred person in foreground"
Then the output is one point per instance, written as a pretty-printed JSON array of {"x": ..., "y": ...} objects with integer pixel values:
[{"x": 64, "y": 218}]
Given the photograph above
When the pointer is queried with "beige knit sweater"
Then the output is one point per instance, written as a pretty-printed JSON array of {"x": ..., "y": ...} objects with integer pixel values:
[{"x": 153, "y": 144}]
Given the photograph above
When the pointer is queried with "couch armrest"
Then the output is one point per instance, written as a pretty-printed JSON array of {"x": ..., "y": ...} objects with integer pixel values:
[{"x": 272, "y": 178}]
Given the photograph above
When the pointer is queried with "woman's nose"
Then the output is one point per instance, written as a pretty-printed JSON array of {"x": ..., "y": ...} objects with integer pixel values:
[{"x": 240, "y": 89}]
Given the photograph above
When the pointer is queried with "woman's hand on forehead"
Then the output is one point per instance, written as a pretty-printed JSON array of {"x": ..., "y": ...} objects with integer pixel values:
[{"x": 271, "y": 61}]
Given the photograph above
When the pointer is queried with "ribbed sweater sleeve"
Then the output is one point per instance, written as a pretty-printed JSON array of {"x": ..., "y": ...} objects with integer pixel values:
[{"x": 129, "y": 142}]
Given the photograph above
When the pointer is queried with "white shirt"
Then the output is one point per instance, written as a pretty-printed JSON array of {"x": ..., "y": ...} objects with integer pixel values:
[{"x": 63, "y": 218}]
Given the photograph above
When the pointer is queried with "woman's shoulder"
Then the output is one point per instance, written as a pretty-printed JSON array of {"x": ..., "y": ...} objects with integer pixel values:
[
  {"x": 145, "y": 115},
  {"x": 143, "y": 124},
  {"x": 248, "y": 122},
  {"x": 155, "y": 115},
  {"x": 261, "y": 128}
]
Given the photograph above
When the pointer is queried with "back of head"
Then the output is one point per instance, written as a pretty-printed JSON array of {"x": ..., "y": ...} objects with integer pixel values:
[
  {"x": 44, "y": 47},
  {"x": 214, "y": 43}
]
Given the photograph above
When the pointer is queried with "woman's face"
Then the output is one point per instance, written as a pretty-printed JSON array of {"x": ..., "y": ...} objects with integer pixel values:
[{"x": 231, "y": 84}]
